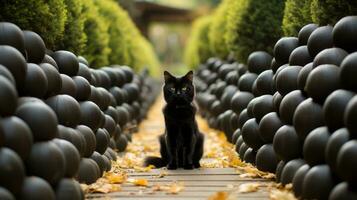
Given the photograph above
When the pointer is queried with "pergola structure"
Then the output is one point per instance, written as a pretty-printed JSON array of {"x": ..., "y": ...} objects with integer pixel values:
[{"x": 146, "y": 12}]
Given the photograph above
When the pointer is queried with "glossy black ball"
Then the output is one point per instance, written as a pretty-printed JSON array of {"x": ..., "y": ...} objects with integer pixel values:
[
  {"x": 344, "y": 33},
  {"x": 68, "y": 189},
  {"x": 344, "y": 191},
  {"x": 300, "y": 56},
  {"x": 346, "y": 166},
  {"x": 88, "y": 171},
  {"x": 264, "y": 82},
  {"x": 290, "y": 169},
  {"x": 90, "y": 115},
  {"x": 284, "y": 47},
  {"x": 11, "y": 34},
  {"x": 249, "y": 156},
  {"x": 8, "y": 98},
  {"x": 315, "y": 145},
  {"x": 66, "y": 108},
  {"x": 288, "y": 105},
  {"x": 286, "y": 80},
  {"x": 262, "y": 106},
  {"x": 240, "y": 101},
  {"x": 82, "y": 88},
  {"x": 320, "y": 39},
  {"x": 333, "y": 146},
  {"x": 246, "y": 81},
  {"x": 333, "y": 56},
  {"x": 268, "y": 126},
  {"x": 302, "y": 77},
  {"x": 68, "y": 86},
  {"x": 54, "y": 81},
  {"x": 251, "y": 135},
  {"x": 298, "y": 179},
  {"x": 259, "y": 61},
  {"x": 67, "y": 62},
  {"x": 36, "y": 188},
  {"x": 266, "y": 159},
  {"x": 286, "y": 143},
  {"x": 305, "y": 33},
  {"x": 312, "y": 185},
  {"x": 348, "y": 71},
  {"x": 35, "y": 47},
  {"x": 71, "y": 157}
]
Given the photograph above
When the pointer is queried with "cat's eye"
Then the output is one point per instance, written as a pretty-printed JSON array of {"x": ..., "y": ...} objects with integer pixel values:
[
  {"x": 184, "y": 89},
  {"x": 172, "y": 89}
]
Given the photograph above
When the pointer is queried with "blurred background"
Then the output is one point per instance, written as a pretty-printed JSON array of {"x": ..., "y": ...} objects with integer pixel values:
[{"x": 167, "y": 24}]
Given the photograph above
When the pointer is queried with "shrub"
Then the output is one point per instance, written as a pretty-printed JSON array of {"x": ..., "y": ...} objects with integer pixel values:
[
  {"x": 218, "y": 28},
  {"x": 96, "y": 28},
  {"x": 325, "y": 12},
  {"x": 115, "y": 15},
  {"x": 253, "y": 25},
  {"x": 198, "y": 50},
  {"x": 45, "y": 17},
  {"x": 296, "y": 15},
  {"x": 74, "y": 38}
]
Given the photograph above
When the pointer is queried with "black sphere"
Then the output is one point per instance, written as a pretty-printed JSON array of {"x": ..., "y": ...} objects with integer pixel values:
[
  {"x": 334, "y": 108},
  {"x": 259, "y": 61},
  {"x": 227, "y": 96},
  {"x": 249, "y": 156},
  {"x": 243, "y": 117},
  {"x": 68, "y": 189},
  {"x": 73, "y": 136},
  {"x": 308, "y": 116},
  {"x": 118, "y": 94},
  {"x": 5, "y": 194},
  {"x": 37, "y": 188},
  {"x": 318, "y": 183},
  {"x": 103, "y": 138},
  {"x": 246, "y": 81},
  {"x": 279, "y": 170},
  {"x": 36, "y": 83},
  {"x": 300, "y": 56},
  {"x": 284, "y": 47},
  {"x": 262, "y": 106},
  {"x": 17, "y": 136},
  {"x": 266, "y": 159},
  {"x": 100, "y": 162},
  {"x": 68, "y": 86},
  {"x": 121, "y": 142},
  {"x": 123, "y": 115},
  {"x": 11, "y": 35},
  {"x": 286, "y": 80},
  {"x": 7, "y": 74},
  {"x": 320, "y": 39},
  {"x": 82, "y": 88},
  {"x": 277, "y": 98},
  {"x": 71, "y": 157},
  {"x": 343, "y": 191},
  {"x": 315, "y": 145},
  {"x": 47, "y": 161},
  {"x": 290, "y": 169},
  {"x": 240, "y": 101},
  {"x": 111, "y": 111},
  {"x": 35, "y": 47},
  {"x": 348, "y": 71},
  {"x": 49, "y": 60},
  {"x": 286, "y": 143},
  {"x": 305, "y": 33},
  {"x": 40, "y": 118},
  {"x": 14, "y": 61},
  {"x": 268, "y": 126},
  {"x": 264, "y": 82},
  {"x": 250, "y": 134},
  {"x": 12, "y": 172},
  {"x": 109, "y": 125},
  {"x": 90, "y": 115},
  {"x": 66, "y": 108},
  {"x": 346, "y": 165},
  {"x": 302, "y": 77},
  {"x": 88, "y": 171},
  {"x": 242, "y": 149},
  {"x": 83, "y": 60},
  {"x": 54, "y": 81},
  {"x": 288, "y": 105},
  {"x": 344, "y": 33},
  {"x": 84, "y": 72},
  {"x": 8, "y": 98},
  {"x": 333, "y": 146},
  {"x": 67, "y": 62},
  {"x": 235, "y": 135},
  {"x": 333, "y": 56},
  {"x": 298, "y": 179},
  {"x": 90, "y": 139}
]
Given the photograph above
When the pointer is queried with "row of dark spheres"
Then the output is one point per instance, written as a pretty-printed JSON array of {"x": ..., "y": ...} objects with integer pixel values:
[
  {"x": 293, "y": 114},
  {"x": 61, "y": 120}
]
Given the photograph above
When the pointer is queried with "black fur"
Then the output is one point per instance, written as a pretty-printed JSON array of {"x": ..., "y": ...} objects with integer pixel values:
[{"x": 181, "y": 146}]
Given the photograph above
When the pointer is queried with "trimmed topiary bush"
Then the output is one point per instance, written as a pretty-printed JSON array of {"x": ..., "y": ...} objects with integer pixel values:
[
  {"x": 253, "y": 25},
  {"x": 218, "y": 28},
  {"x": 45, "y": 17},
  {"x": 115, "y": 15},
  {"x": 198, "y": 50},
  {"x": 325, "y": 12},
  {"x": 97, "y": 48},
  {"x": 74, "y": 38},
  {"x": 296, "y": 15}
]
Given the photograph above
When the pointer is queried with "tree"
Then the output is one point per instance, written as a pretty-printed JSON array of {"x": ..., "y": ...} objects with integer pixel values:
[
  {"x": 296, "y": 15},
  {"x": 325, "y": 12},
  {"x": 253, "y": 25},
  {"x": 45, "y": 17}
]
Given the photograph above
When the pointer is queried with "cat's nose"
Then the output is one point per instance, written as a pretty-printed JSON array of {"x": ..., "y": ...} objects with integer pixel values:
[{"x": 178, "y": 92}]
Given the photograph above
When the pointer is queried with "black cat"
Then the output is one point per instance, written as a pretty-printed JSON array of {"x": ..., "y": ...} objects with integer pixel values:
[{"x": 181, "y": 146}]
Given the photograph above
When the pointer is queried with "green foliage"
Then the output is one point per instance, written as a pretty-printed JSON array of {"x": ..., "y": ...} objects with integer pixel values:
[
  {"x": 253, "y": 25},
  {"x": 325, "y": 12},
  {"x": 218, "y": 28},
  {"x": 74, "y": 38},
  {"x": 45, "y": 17},
  {"x": 296, "y": 15},
  {"x": 198, "y": 49},
  {"x": 115, "y": 15},
  {"x": 97, "y": 48}
]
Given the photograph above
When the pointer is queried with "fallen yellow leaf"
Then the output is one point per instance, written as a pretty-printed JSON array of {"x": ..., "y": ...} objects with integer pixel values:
[
  {"x": 219, "y": 196},
  {"x": 138, "y": 182},
  {"x": 277, "y": 194},
  {"x": 175, "y": 188},
  {"x": 248, "y": 187}
]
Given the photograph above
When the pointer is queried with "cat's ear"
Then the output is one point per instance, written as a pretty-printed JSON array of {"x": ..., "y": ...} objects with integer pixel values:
[
  {"x": 168, "y": 76},
  {"x": 189, "y": 76}
]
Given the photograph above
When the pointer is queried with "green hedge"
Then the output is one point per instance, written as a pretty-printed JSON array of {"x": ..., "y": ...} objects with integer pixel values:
[
  {"x": 253, "y": 25},
  {"x": 198, "y": 50},
  {"x": 325, "y": 12},
  {"x": 218, "y": 28},
  {"x": 45, "y": 17},
  {"x": 74, "y": 38},
  {"x": 296, "y": 15}
]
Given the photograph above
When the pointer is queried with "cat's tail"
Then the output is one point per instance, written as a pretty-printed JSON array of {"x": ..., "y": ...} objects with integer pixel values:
[{"x": 156, "y": 161}]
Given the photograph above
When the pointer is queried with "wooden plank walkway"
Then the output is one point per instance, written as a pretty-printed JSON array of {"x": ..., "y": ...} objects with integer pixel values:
[{"x": 222, "y": 172}]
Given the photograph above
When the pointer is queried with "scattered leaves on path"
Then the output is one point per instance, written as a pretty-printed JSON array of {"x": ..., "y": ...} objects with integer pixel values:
[
  {"x": 248, "y": 187},
  {"x": 139, "y": 182}
]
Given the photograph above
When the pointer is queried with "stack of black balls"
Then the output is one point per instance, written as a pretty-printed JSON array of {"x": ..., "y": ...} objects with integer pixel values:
[{"x": 61, "y": 121}]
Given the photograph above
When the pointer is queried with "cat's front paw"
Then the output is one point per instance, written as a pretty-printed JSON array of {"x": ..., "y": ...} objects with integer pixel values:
[
  {"x": 188, "y": 166},
  {"x": 172, "y": 166}
]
